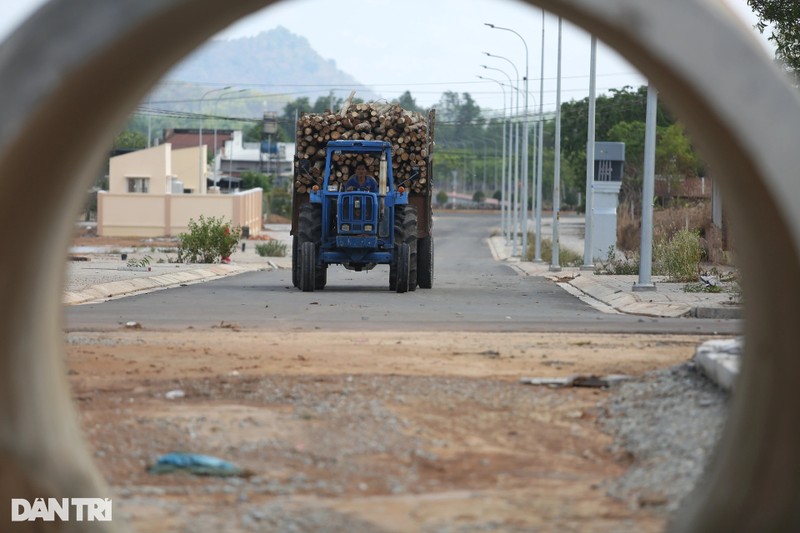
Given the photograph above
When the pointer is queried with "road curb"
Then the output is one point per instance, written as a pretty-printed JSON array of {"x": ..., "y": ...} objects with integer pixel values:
[
  {"x": 114, "y": 289},
  {"x": 717, "y": 312},
  {"x": 720, "y": 361}
]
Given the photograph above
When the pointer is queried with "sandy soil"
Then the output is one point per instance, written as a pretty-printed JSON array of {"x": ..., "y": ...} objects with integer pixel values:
[{"x": 387, "y": 432}]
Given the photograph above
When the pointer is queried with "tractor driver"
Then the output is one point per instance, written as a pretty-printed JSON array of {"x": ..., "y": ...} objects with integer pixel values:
[{"x": 360, "y": 181}]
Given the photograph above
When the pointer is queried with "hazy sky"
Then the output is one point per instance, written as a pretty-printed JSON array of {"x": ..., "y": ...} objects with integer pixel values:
[{"x": 433, "y": 46}]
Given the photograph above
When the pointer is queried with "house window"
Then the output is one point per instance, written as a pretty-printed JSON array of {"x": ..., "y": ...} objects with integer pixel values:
[{"x": 138, "y": 185}]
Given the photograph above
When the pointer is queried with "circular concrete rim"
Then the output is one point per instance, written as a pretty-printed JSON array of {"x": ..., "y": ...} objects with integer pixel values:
[{"x": 714, "y": 76}]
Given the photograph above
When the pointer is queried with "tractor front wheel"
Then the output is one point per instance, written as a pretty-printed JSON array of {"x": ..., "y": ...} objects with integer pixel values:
[
  {"x": 403, "y": 267},
  {"x": 308, "y": 266},
  {"x": 425, "y": 262},
  {"x": 295, "y": 261},
  {"x": 310, "y": 230}
]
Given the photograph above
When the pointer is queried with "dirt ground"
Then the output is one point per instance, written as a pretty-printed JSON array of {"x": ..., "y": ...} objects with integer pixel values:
[{"x": 378, "y": 432}]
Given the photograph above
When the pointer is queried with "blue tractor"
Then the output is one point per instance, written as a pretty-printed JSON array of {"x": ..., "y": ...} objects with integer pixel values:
[{"x": 358, "y": 229}]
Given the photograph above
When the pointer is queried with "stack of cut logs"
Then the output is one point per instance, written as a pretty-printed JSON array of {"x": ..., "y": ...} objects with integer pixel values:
[{"x": 406, "y": 130}]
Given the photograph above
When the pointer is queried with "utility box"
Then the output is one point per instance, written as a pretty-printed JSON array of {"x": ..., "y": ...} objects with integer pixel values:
[{"x": 609, "y": 161}]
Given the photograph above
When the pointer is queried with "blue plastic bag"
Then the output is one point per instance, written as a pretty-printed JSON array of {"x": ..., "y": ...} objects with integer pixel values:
[{"x": 195, "y": 463}]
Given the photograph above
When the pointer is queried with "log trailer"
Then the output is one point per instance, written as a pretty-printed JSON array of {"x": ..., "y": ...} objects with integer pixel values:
[{"x": 362, "y": 229}]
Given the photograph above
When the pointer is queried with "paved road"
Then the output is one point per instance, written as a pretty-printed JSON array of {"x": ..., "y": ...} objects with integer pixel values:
[{"x": 471, "y": 291}]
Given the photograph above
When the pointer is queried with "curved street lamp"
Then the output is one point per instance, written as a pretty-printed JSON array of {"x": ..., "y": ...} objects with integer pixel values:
[
  {"x": 524, "y": 144},
  {"x": 200, "y": 138},
  {"x": 514, "y": 162},
  {"x": 503, "y": 196},
  {"x": 216, "y": 103}
]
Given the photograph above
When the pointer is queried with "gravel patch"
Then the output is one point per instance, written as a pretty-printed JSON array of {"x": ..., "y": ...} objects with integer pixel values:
[{"x": 669, "y": 423}]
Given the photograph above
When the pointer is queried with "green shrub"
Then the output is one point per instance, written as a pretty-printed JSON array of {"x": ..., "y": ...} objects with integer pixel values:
[
  {"x": 679, "y": 257},
  {"x": 271, "y": 249},
  {"x": 208, "y": 241}
]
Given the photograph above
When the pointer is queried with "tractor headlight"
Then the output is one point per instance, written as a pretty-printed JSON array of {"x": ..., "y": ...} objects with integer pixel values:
[
  {"x": 357, "y": 203},
  {"x": 345, "y": 227},
  {"x": 368, "y": 227},
  {"x": 333, "y": 188}
]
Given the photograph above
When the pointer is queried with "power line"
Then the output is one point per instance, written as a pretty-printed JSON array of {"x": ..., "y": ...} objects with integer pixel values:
[{"x": 374, "y": 85}]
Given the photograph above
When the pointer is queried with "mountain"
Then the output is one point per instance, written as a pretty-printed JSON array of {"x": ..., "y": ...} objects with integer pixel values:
[{"x": 273, "y": 62}]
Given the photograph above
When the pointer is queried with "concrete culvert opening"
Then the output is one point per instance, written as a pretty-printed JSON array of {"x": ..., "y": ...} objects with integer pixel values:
[{"x": 753, "y": 484}]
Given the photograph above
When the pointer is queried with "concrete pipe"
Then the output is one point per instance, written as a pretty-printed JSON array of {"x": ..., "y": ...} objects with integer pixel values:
[{"x": 76, "y": 69}]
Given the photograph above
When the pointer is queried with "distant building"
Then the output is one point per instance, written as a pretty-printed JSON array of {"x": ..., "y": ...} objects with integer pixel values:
[
  {"x": 233, "y": 156},
  {"x": 276, "y": 159},
  {"x": 156, "y": 191},
  {"x": 189, "y": 138}
]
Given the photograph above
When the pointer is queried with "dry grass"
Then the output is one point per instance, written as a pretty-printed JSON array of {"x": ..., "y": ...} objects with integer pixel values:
[{"x": 667, "y": 222}]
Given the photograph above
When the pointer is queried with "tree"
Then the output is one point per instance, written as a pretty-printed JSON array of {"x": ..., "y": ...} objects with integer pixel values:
[
  {"x": 457, "y": 117},
  {"x": 781, "y": 17},
  {"x": 130, "y": 140},
  {"x": 468, "y": 112},
  {"x": 674, "y": 154},
  {"x": 632, "y": 134},
  {"x": 327, "y": 103},
  {"x": 406, "y": 101},
  {"x": 297, "y": 107},
  {"x": 253, "y": 133},
  {"x": 620, "y": 105},
  {"x": 441, "y": 198},
  {"x": 251, "y": 180}
]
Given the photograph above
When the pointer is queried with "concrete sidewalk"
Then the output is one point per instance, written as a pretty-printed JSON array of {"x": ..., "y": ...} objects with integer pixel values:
[
  {"x": 96, "y": 275},
  {"x": 614, "y": 293}
]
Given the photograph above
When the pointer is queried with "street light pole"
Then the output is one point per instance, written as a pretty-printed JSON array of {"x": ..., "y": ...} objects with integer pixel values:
[
  {"x": 646, "y": 242},
  {"x": 216, "y": 103},
  {"x": 200, "y": 139},
  {"x": 503, "y": 198},
  {"x": 524, "y": 147},
  {"x": 588, "y": 251},
  {"x": 494, "y": 164},
  {"x": 537, "y": 255},
  {"x": 149, "y": 118},
  {"x": 485, "y": 143},
  {"x": 513, "y": 162},
  {"x": 555, "y": 265}
]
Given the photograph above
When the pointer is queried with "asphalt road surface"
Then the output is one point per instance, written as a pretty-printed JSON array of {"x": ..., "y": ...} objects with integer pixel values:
[{"x": 472, "y": 292}]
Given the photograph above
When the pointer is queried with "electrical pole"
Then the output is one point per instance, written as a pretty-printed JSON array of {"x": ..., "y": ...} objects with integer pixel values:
[
  {"x": 588, "y": 260},
  {"x": 555, "y": 265},
  {"x": 646, "y": 246}
]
